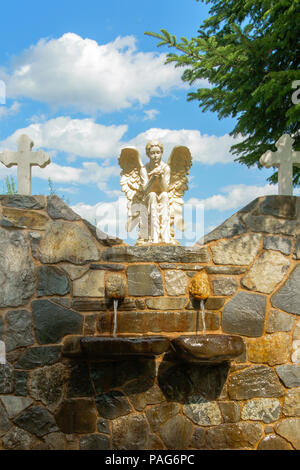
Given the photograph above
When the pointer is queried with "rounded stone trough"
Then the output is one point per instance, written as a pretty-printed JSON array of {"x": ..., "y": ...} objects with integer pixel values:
[{"x": 208, "y": 348}]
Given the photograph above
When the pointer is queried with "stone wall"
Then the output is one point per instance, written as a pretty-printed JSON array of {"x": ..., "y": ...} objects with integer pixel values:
[{"x": 55, "y": 273}]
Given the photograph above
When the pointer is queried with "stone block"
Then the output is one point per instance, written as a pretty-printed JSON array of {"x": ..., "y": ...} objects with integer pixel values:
[
  {"x": 270, "y": 224},
  {"x": 276, "y": 243},
  {"x": 266, "y": 272},
  {"x": 142, "y": 392},
  {"x": 144, "y": 280},
  {"x": 36, "y": 420},
  {"x": 159, "y": 414},
  {"x": 289, "y": 374},
  {"x": 267, "y": 410},
  {"x": 202, "y": 412},
  {"x": 52, "y": 281},
  {"x": 291, "y": 405},
  {"x": 6, "y": 378},
  {"x": 176, "y": 282},
  {"x": 47, "y": 384},
  {"x": 234, "y": 436},
  {"x": 52, "y": 322},
  {"x": 17, "y": 218},
  {"x": 244, "y": 314},
  {"x": 112, "y": 405},
  {"x": 281, "y": 206},
  {"x": 130, "y": 432},
  {"x": 271, "y": 349},
  {"x": 289, "y": 429},
  {"x": 57, "y": 209},
  {"x": 17, "y": 274},
  {"x": 67, "y": 241},
  {"x": 254, "y": 382},
  {"x": 156, "y": 254},
  {"x": 18, "y": 439},
  {"x": 177, "y": 432},
  {"x": 19, "y": 331},
  {"x": 287, "y": 298},
  {"x": 94, "y": 442},
  {"x": 77, "y": 416},
  {"x": 224, "y": 286},
  {"x": 273, "y": 442},
  {"x": 166, "y": 303},
  {"x": 20, "y": 201},
  {"x": 279, "y": 321},
  {"x": 15, "y": 405},
  {"x": 90, "y": 285},
  {"x": 227, "y": 229},
  {"x": 38, "y": 356},
  {"x": 238, "y": 251}
]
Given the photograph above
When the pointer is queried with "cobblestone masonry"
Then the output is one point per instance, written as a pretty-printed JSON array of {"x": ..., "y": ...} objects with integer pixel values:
[{"x": 54, "y": 276}]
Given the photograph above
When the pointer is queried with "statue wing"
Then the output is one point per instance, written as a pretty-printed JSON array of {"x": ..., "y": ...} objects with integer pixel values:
[
  {"x": 131, "y": 185},
  {"x": 180, "y": 162}
]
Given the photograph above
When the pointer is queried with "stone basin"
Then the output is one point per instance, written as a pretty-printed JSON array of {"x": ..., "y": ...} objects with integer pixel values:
[
  {"x": 98, "y": 347},
  {"x": 208, "y": 349}
]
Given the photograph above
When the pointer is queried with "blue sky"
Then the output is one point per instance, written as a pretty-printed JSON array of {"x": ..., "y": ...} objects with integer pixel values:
[{"x": 83, "y": 81}]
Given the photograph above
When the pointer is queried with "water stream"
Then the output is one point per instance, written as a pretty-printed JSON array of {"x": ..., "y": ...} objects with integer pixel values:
[
  {"x": 203, "y": 316},
  {"x": 115, "y": 317}
]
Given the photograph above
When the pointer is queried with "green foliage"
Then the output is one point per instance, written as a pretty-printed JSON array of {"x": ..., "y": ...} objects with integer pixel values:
[
  {"x": 249, "y": 52},
  {"x": 53, "y": 192},
  {"x": 9, "y": 186}
]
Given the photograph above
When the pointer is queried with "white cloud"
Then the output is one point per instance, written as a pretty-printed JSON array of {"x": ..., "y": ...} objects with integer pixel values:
[
  {"x": 150, "y": 114},
  {"x": 207, "y": 149},
  {"x": 80, "y": 137},
  {"x": 10, "y": 111},
  {"x": 80, "y": 73},
  {"x": 234, "y": 197}
]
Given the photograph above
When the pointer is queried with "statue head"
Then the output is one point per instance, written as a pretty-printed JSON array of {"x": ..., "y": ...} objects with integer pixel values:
[{"x": 154, "y": 150}]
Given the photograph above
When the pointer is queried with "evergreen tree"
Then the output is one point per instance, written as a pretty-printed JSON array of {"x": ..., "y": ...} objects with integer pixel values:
[{"x": 249, "y": 51}]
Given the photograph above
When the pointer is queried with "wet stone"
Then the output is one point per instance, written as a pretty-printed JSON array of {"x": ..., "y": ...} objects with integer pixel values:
[
  {"x": 176, "y": 433},
  {"x": 289, "y": 374},
  {"x": 244, "y": 314},
  {"x": 36, "y": 420},
  {"x": 94, "y": 442},
  {"x": 103, "y": 426},
  {"x": 130, "y": 432},
  {"x": 291, "y": 405},
  {"x": 157, "y": 415},
  {"x": 57, "y": 209},
  {"x": 141, "y": 392},
  {"x": 144, "y": 280},
  {"x": 230, "y": 411},
  {"x": 273, "y": 442},
  {"x": 262, "y": 409},
  {"x": 183, "y": 380},
  {"x": 233, "y": 436},
  {"x": 17, "y": 279},
  {"x": 6, "y": 378},
  {"x": 282, "y": 244},
  {"x": 18, "y": 329},
  {"x": 108, "y": 375},
  {"x": 257, "y": 381},
  {"x": 77, "y": 416},
  {"x": 112, "y": 405},
  {"x": 53, "y": 322},
  {"x": 80, "y": 383},
  {"x": 279, "y": 321},
  {"x": 289, "y": 429},
  {"x": 52, "y": 281},
  {"x": 38, "y": 356}
]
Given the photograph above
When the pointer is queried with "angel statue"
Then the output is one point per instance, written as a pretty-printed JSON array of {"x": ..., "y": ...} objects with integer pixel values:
[{"x": 154, "y": 192}]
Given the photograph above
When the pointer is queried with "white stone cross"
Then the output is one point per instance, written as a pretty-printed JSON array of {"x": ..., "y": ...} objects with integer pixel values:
[
  {"x": 285, "y": 158},
  {"x": 25, "y": 159}
]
